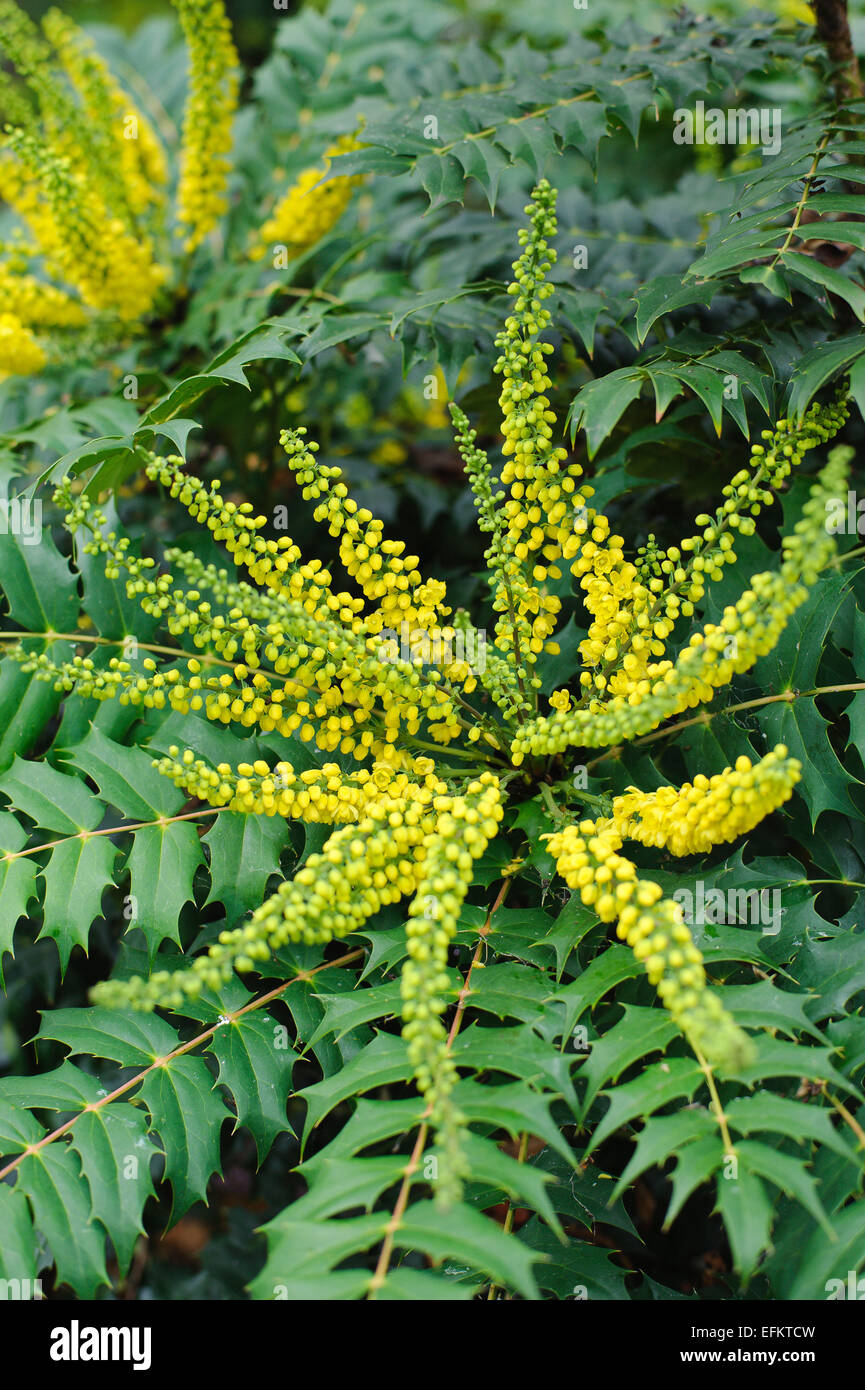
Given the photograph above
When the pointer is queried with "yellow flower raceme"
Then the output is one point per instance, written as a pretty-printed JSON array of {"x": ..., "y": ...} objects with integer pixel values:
[
  {"x": 324, "y": 796},
  {"x": 208, "y": 117},
  {"x": 465, "y": 826},
  {"x": 310, "y": 208},
  {"x": 127, "y": 136},
  {"x": 38, "y": 304},
  {"x": 538, "y": 516},
  {"x": 388, "y": 577},
  {"x": 19, "y": 351},
  {"x": 635, "y": 607},
  {"x": 697, "y": 816},
  {"x": 112, "y": 269},
  {"x": 328, "y": 681},
  {"x": 748, "y": 630},
  {"x": 587, "y": 858}
]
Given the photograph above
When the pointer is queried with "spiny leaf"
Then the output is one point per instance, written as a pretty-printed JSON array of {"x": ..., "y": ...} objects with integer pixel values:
[
  {"x": 187, "y": 1114},
  {"x": 61, "y": 1204}
]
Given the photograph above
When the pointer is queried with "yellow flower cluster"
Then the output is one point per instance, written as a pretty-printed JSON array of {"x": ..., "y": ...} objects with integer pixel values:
[
  {"x": 710, "y": 810},
  {"x": 115, "y": 122},
  {"x": 36, "y": 303},
  {"x": 19, "y": 350},
  {"x": 748, "y": 630},
  {"x": 538, "y": 516},
  {"x": 84, "y": 170},
  {"x": 465, "y": 826},
  {"x": 291, "y": 653},
  {"x": 362, "y": 867},
  {"x": 83, "y": 244},
  {"x": 310, "y": 208},
  {"x": 653, "y": 926},
  {"x": 208, "y": 118},
  {"x": 323, "y": 796},
  {"x": 326, "y": 682},
  {"x": 388, "y": 577},
  {"x": 69, "y": 171},
  {"x": 632, "y": 612}
]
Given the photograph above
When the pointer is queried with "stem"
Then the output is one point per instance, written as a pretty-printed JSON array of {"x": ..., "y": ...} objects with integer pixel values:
[
  {"x": 833, "y": 29},
  {"x": 507, "y": 1226},
  {"x": 390, "y": 1230},
  {"x": 717, "y": 1107},
  {"x": 845, "y": 1114},
  {"x": 706, "y": 715},
  {"x": 111, "y": 830}
]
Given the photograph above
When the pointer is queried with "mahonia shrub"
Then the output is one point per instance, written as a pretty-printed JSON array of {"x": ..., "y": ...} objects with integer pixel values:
[
  {"x": 87, "y": 174},
  {"x": 422, "y": 763}
]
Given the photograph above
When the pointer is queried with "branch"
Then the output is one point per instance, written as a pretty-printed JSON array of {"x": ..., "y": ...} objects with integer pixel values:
[{"x": 833, "y": 29}]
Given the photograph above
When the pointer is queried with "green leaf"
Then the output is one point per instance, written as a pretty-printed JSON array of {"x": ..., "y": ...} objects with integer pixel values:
[
  {"x": 301, "y": 1255},
  {"x": 40, "y": 588},
  {"x": 662, "y": 295},
  {"x": 521, "y": 1182},
  {"x": 576, "y": 1270},
  {"x": 243, "y": 853},
  {"x": 696, "y": 1164},
  {"x": 598, "y": 407},
  {"x": 262, "y": 343},
  {"x": 800, "y": 725},
  {"x": 662, "y": 1136},
  {"x": 747, "y": 1214},
  {"x": 257, "y": 1071},
  {"x": 385, "y": 1060},
  {"x": 345, "y": 1012},
  {"x": 407, "y": 1285},
  {"x": 658, "y": 1085},
  {"x": 76, "y": 876},
  {"x": 610, "y": 968},
  {"x": 779, "y": 1058},
  {"x": 515, "y": 1052},
  {"x": 52, "y": 800},
  {"x": 831, "y": 279},
  {"x": 61, "y": 1203},
  {"x": 115, "y": 1158},
  {"x": 640, "y": 1032},
  {"x": 464, "y": 1235},
  {"x": 770, "y": 1113},
  {"x": 187, "y": 1114},
  {"x": 125, "y": 776},
  {"x": 817, "y": 366},
  {"x": 17, "y": 882},
  {"x": 129, "y": 1038},
  {"x": 26, "y": 704},
  {"x": 785, "y": 1172},
  {"x": 510, "y": 990},
  {"x": 513, "y": 1107},
  {"x": 818, "y": 1262},
  {"x": 162, "y": 864},
  {"x": 17, "y": 1238}
]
